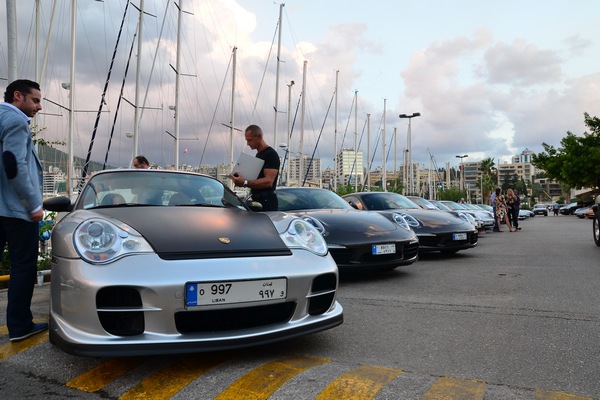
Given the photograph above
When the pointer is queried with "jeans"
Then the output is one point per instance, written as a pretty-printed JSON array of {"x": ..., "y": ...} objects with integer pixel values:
[{"x": 23, "y": 246}]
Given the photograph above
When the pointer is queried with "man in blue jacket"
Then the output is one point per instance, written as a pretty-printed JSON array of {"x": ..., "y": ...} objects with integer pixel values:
[{"x": 20, "y": 203}]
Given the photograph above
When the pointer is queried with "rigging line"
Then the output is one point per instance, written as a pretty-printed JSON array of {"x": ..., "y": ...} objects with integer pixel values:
[
  {"x": 112, "y": 130},
  {"x": 160, "y": 35},
  {"x": 102, "y": 100},
  {"x": 262, "y": 79},
  {"x": 318, "y": 139},
  {"x": 212, "y": 121},
  {"x": 347, "y": 122}
]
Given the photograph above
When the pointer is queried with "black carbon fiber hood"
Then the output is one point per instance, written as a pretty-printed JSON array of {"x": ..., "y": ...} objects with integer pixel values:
[{"x": 202, "y": 232}]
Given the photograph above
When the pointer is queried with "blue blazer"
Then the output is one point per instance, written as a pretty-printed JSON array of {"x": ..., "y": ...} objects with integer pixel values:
[{"x": 21, "y": 175}]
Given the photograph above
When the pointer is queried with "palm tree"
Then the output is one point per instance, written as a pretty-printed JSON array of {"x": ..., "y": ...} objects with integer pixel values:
[{"x": 488, "y": 177}]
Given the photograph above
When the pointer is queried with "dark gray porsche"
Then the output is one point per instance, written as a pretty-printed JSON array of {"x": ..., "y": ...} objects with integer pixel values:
[
  {"x": 158, "y": 262},
  {"x": 437, "y": 230},
  {"x": 357, "y": 240}
]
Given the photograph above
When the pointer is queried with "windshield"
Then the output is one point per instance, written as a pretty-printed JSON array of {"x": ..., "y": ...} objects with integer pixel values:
[
  {"x": 387, "y": 201},
  {"x": 310, "y": 199},
  {"x": 121, "y": 188}
]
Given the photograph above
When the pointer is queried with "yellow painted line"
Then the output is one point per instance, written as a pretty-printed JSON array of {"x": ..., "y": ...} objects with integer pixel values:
[
  {"x": 105, "y": 373},
  {"x": 170, "y": 380},
  {"x": 549, "y": 395},
  {"x": 263, "y": 381},
  {"x": 12, "y": 348},
  {"x": 361, "y": 383},
  {"x": 453, "y": 388}
]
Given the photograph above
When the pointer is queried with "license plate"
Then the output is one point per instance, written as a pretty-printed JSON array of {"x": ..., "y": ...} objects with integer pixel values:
[
  {"x": 379, "y": 249},
  {"x": 459, "y": 236},
  {"x": 228, "y": 292}
]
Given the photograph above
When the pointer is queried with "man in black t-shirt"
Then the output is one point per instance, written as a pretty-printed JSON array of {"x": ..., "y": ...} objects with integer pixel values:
[{"x": 263, "y": 187}]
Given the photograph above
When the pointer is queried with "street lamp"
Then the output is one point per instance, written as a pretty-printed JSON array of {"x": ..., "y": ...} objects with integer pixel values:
[
  {"x": 409, "y": 150},
  {"x": 462, "y": 172}
]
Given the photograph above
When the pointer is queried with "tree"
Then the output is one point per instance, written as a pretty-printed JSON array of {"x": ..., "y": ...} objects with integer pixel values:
[
  {"x": 488, "y": 177},
  {"x": 577, "y": 162}
]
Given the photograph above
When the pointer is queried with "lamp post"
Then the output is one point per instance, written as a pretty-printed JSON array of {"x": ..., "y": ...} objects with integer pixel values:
[
  {"x": 462, "y": 172},
  {"x": 409, "y": 150}
]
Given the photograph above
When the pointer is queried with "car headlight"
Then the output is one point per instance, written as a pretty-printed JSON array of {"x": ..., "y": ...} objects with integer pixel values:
[
  {"x": 316, "y": 223},
  {"x": 399, "y": 219},
  {"x": 99, "y": 241},
  {"x": 410, "y": 220},
  {"x": 303, "y": 235},
  {"x": 467, "y": 217}
]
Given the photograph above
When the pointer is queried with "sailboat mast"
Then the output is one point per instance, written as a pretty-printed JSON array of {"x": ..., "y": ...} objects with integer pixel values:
[
  {"x": 177, "y": 84},
  {"x": 335, "y": 130},
  {"x": 70, "y": 169},
  {"x": 277, "y": 78},
  {"x": 383, "y": 168},
  {"x": 355, "y": 141},
  {"x": 11, "y": 27},
  {"x": 136, "y": 116},
  {"x": 301, "y": 147},
  {"x": 232, "y": 119},
  {"x": 368, "y": 151}
]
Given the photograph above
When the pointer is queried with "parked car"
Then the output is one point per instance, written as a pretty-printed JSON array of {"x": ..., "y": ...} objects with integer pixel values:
[
  {"x": 436, "y": 230},
  {"x": 581, "y": 212},
  {"x": 158, "y": 262},
  {"x": 596, "y": 223},
  {"x": 486, "y": 218},
  {"x": 524, "y": 214},
  {"x": 429, "y": 205},
  {"x": 569, "y": 209},
  {"x": 475, "y": 220},
  {"x": 540, "y": 209},
  {"x": 357, "y": 240}
]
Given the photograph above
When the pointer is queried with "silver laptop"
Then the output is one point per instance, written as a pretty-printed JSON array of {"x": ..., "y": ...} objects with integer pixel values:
[{"x": 248, "y": 166}]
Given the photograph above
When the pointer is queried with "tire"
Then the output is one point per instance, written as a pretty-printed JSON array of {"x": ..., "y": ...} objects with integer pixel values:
[{"x": 596, "y": 229}]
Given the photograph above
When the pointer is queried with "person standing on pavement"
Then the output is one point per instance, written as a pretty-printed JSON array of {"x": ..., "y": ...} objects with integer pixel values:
[
  {"x": 20, "y": 203},
  {"x": 493, "y": 200},
  {"x": 502, "y": 211},
  {"x": 263, "y": 187},
  {"x": 516, "y": 209}
]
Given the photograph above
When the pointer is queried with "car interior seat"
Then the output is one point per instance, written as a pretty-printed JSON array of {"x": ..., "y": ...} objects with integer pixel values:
[
  {"x": 179, "y": 199},
  {"x": 111, "y": 199}
]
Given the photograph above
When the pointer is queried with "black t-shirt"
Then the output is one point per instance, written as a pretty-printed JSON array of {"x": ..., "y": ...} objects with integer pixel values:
[{"x": 271, "y": 158}]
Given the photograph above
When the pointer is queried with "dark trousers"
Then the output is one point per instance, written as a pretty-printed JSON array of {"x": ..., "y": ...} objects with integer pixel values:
[
  {"x": 23, "y": 241},
  {"x": 514, "y": 217}
]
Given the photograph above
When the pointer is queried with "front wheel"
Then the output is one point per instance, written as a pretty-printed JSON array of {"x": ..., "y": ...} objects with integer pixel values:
[{"x": 596, "y": 229}]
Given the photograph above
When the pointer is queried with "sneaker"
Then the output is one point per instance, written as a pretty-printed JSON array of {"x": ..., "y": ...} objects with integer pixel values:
[
  {"x": 37, "y": 328},
  {"x": 518, "y": 229}
]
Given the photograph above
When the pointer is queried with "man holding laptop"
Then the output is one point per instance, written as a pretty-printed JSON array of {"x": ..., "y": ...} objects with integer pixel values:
[{"x": 263, "y": 186}]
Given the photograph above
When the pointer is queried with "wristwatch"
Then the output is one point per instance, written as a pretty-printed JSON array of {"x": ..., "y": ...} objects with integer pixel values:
[{"x": 245, "y": 183}]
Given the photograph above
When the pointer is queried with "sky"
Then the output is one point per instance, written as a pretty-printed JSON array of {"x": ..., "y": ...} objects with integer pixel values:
[{"x": 489, "y": 78}]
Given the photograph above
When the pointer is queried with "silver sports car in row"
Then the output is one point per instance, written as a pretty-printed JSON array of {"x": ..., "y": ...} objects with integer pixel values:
[{"x": 157, "y": 262}]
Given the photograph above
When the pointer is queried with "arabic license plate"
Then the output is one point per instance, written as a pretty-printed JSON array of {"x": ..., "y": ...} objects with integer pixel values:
[
  {"x": 228, "y": 292},
  {"x": 379, "y": 249},
  {"x": 459, "y": 236}
]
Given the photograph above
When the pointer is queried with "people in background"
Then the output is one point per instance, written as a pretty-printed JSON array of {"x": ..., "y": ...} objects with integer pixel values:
[
  {"x": 502, "y": 211},
  {"x": 263, "y": 187},
  {"x": 140, "y": 162}
]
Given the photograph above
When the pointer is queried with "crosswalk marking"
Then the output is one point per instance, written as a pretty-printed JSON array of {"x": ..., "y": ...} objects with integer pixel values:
[
  {"x": 170, "y": 380},
  {"x": 263, "y": 381},
  {"x": 105, "y": 373},
  {"x": 12, "y": 348},
  {"x": 361, "y": 383},
  {"x": 446, "y": 388}
]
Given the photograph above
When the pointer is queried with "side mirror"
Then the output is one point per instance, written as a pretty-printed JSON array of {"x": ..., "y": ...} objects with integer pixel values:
[
  {"x": 58, "y": 204},
  {"x": 254, "y": 205},
  {"x": 353, "y": 205}
]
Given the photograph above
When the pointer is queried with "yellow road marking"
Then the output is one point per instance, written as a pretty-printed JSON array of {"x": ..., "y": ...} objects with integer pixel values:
[
  {"x": 548, "y": 395},
  {"x": 170, "y": 380},
  {"x": 263, "y": 381},
  {"x": 454, "y": 388},
  {"x": 105, "y": 373},
  {"x": 10, "y": 349},
  {"x": 361, "y": 383}
]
